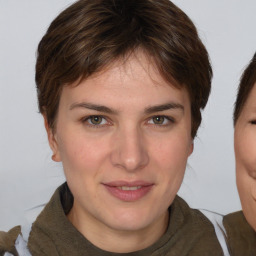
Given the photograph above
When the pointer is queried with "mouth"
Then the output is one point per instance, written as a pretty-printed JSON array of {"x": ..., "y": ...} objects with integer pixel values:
[
  {"x": 126, "y": 188},
  {"x": 128, "y": 191}
]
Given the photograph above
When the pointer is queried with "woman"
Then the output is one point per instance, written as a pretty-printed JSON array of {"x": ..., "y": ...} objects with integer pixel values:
[
  {"x": 241, "y": 235},
  {"x": 120, "y": 86}
]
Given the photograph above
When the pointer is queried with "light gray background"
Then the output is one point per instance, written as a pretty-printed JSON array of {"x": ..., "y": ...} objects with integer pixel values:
[{"x": 28, "y": 176}]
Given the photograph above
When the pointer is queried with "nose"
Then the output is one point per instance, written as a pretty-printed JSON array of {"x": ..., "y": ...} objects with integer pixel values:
[{"x": 130, "y": 150}]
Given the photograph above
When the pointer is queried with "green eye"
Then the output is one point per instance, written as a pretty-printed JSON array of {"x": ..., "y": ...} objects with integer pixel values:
[
  {"x": 161, "y": 120},
  {"x": 95, "y": 120},
  {"x": 158, "y": 119}
]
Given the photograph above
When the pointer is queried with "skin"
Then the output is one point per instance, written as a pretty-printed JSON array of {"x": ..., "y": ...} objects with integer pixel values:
[
  {"x": 245, "y": 152},
  {"x": 129, "y": 139}
]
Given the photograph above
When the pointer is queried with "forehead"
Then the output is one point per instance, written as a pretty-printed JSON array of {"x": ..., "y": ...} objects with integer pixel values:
[
  {"x": 133, "y": 65},
  {"x": 130, "y": 79}
]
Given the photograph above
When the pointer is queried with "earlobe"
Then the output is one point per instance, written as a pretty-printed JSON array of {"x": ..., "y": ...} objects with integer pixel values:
[
  {"x": 191, "y": 148},
  {"x": 52, "y": 141}
]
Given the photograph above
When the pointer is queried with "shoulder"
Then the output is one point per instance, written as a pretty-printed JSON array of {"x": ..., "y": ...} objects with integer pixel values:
[
  {"x": 235, "y": 218},
  {"x": 195, "y": 231},
  {"x": 236, "y": 225},
  {"x": 7, "y": 240},
  {"x": 194, "y": 215},
  {"x": 241, "y": 238}
]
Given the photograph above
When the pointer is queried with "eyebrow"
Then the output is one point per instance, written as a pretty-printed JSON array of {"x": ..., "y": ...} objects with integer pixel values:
[
  {"x": 163, "y": 107},
  {"x": 148, "y": 110},
  {"x": 92, "y": 106}
]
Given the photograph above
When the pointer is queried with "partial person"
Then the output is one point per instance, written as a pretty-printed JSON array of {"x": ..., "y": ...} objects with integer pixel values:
[
  {"x": 121, "y": 85},
  {"x": 241, "y": 226}
]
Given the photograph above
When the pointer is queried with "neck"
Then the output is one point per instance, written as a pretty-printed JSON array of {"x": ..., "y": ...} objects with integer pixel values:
[{"x": 115, "y": 240}]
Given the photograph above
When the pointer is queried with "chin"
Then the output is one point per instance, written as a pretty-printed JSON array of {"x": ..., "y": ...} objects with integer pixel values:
[{"x": 130, "y": 220}]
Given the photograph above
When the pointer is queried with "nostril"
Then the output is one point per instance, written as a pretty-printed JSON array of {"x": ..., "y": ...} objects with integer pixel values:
[
  {"x": 129, "y": 149},
  {"x": 130, "y": 160}
]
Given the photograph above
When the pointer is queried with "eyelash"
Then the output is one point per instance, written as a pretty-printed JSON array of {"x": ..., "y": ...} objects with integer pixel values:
[
  {"x": 89, "y": 118},
  {"x": 170, "y": 120},
  {"x": 253, "y": 122}
]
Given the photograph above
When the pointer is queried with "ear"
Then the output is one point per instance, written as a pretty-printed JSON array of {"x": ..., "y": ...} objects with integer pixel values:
[
  {"x": 191, "y": 149},
  {"x": 52, "y": 141}
]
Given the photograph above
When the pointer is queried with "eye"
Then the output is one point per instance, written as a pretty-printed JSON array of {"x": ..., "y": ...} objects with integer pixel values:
[
  {"x": 95, "y": 120},
  {"x": 161, "y": 120},
  {"x": 253, "y": 122}
]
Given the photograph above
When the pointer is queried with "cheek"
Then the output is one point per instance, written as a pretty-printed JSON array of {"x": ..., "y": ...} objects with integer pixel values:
[
  {"x": 245, "y": 152},
  {"x": 243, "y": 184},
  {"x": 171, "y": 156},
  {"x": 247, "y": 192},
  {"x": 174, "y": 150},
  {"x": 80, "y": 153}
]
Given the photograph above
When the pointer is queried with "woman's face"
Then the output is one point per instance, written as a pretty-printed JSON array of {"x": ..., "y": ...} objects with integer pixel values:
[
  {"x": 245, "y": 151},
  {"x": 123, "y": 136}
]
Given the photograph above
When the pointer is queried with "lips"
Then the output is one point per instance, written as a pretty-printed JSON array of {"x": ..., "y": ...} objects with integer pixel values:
[{"x": 128, "y": 191}]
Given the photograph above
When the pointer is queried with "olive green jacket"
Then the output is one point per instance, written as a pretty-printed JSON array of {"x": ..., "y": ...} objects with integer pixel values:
[
  {"x": 241, "y": 238},
  {"x": 189, "y": 233}
]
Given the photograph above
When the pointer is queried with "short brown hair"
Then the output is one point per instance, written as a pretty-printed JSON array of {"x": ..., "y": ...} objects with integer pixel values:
[
  {"x": 91, "y": 34},
  {"x": 247, "y": 81}
]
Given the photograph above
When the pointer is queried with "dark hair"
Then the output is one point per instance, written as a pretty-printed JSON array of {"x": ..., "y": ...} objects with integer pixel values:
[
  {"x": 91, "y": 34},
  {"x": 247, "y": 81}
]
